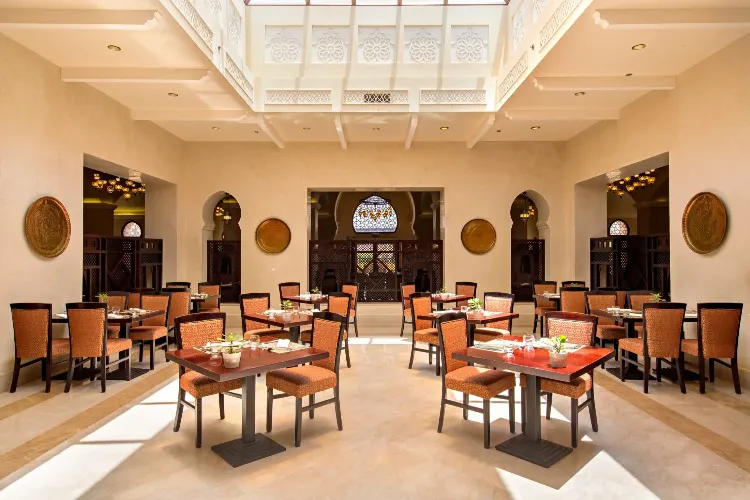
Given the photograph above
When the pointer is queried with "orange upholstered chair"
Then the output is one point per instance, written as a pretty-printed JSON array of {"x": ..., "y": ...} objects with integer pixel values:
[
  {"x": 194, "y": 330},
  {"x": 340, "y": 303},
  {"x": 718, "y": 336},
  {"x": 606, "y": 329},
  {"x": 495, "y": 302},
  {"x": 422, "y": 330},
  {"x": 258, "y": 303},
  {"x": 542, "y": 305},
  {"x": 32, "y": 331},
  {"x": 579, "y": 329},
  {"x": 87, "y": 324},
  {"x": 662, "y": 332},
  {"x": 179, "y": 305},
  {"x": 135, "y": 296},
  {"x": 352, "y": 289},
  {"x": 152, "y": 329},
  {"x": 465, "y": 288},
  {"x": 119, "y": 301},
  {"x": 470, "y": 380},
  {"x": 635, "y": 300},
  {"x": 210, "y": 305},
  {"x": 308, "y": 380},
  {"x": 288, "y": 289},
  {"x": 406, "y": 291},
  {"x": 573, "y": 299}
]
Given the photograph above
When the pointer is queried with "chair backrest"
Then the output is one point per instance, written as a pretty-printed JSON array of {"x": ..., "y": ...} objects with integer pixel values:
[
  {"x": 209, "y": 289},
  {"x": 662, "y": 328},
  {"x": 575, "y": 283},
  {"x": 254, "y": 303},
  {"x": 573, "y": 299},
  {"x": 195, "y": 330},
  {"x": 178, "y": 284},
  {"x": 87, "y": 326},
  {"x": 156, "y": 302},
  {"x": 465, "y": 288},
  {"x": 352, "y": 289},
  {"x": 179, "y": 304},
  {"x": 578, "y": 328},
  {"x": 622, "y": 298},
  {"x": 288, "y": 289},
  {"x": 600, "y": 299},
  {"x": 406, "y": 291},
  {"x": 32, "y": 329},
  {"x": 135, "y": 296},
  {"x": 719, "y": 329},
  {"x": 453, "y": 336},
  {"x": 327, "y": 334},
  {"x": 118, "y": 300},
  {"x": 420, "y": 305},
  {"x": 499, "y": 302},
  {"x": 340, "y": 303},
  {"x": 541, "y": 287},
  {"x": 637, "y": 298}
]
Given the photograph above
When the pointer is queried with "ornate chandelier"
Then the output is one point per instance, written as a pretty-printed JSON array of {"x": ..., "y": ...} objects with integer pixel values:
[
  {"x": 128, "y": 187},
  {"x": 529, "y": 210},
  {"x": 375, "y": 208},
  {"x": 631, "y": 183}
]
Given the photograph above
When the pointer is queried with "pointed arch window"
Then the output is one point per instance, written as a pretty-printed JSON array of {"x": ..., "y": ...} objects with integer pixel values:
[
  {"x": 619, "y": 228},
  {"x": 375, "y": 214}
]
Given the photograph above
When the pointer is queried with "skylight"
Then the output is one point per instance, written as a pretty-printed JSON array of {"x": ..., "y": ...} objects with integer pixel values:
[{"x": 384, "y": 3}]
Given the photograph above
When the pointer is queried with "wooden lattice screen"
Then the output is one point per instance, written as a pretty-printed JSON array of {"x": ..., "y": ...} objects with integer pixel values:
[
  {"x": 224, "y": 268},
  {"x": 631, "y": 263},
  {"x": 526, "y": 268},
  {"x": 118, "y": 264}
]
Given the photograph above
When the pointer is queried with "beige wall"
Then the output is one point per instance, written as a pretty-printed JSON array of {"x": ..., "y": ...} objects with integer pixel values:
[
  {"x": 46, "y": 126},
  {"x": 703, "y": 124}
]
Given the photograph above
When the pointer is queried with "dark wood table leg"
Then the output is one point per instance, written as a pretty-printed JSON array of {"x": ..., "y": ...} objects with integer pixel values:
[
  {"x": 121, "y": 373},
  {"x": 439, "y": 306},
  {"x": 251, "y": 446},
  {"x": 530, "y": 446},
  {"x": 194, "y": 307},
  {"x": 631, "y": 371},
  {"x": 294, "y": 334},
  {"x": 472, "y": 327}
]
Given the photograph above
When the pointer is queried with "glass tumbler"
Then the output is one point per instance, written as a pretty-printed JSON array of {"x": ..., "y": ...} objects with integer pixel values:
[{"x": 254, "y": 341}]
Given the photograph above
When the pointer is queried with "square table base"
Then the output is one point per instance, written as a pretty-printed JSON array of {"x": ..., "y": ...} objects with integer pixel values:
[
  {"x": 119, "y": 374},
  {"x": 631, "y": 372},
  {"x": 542, "y": 453},
  {"x": 237, "y": 453}
]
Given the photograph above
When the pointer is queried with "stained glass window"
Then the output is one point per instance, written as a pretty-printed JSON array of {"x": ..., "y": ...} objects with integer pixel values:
[
  {"x": 375, "y": 215},
  {"x": 131, "y": 230},
  {"x": 619, "y": 228}
]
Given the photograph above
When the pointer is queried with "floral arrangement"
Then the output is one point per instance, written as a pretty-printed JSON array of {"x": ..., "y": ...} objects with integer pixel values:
[
  {"x": 558, "y": 344},
  {"x": 656, "y": 297},
  {"x": 103, "y": 297},
  {"x": 286, "y": 305},
  {"x": 232, "y": 338},
  {"x": 475, "y": 305}
]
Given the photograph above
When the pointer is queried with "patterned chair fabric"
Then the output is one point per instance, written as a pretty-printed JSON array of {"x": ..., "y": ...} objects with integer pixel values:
[
  {"x": 465, "y": 289},
  {"x": 352, "y": 290},
  {"x": 179, "y": 305},
  {"x": 719, "y": 330},
  {"x": 254, "y": 305},
  {"x": 544, "y": 304},
  {"x": 575, "y": 389},
  {"x": 637, "y": 301},
  {"x": 606, "y": 328},
  {"x": 622, "y": 298},
  {"x": 573, "y": 301},
  {"x": 494, "y": 303},
  {"x": 155, "y": 303},
  {"x": 118, "y": 301},
  {"x": 578, "y": 328},
  {"x": 421, "y": 306},
  {"x": 87, "y": 327},
  {"x": 31, "y": 327},
  {"x": 338, "y": 305},
  {"x": 209, "y": 305},
  {"x": 663, "y": 331},
  {"x": 406, "y": 291},
  {"x": 289, "y": 290}
]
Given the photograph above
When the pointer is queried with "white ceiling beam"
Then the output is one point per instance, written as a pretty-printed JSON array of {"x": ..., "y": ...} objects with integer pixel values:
[
  {"x": 663, "y": 19},
  {"x": 179, "y": 115},
  {"x": 604, "y": 83},
  {"x": 78, "y": 19},
  {"x": 340, "y": 130},
  {"x": 266, "y": 128},
  {"x": 412, "y": 130},
  {"x": 480, "y": 131},
  {"x": 561, "y": 114},
  {"x": 133, "y": 75}
]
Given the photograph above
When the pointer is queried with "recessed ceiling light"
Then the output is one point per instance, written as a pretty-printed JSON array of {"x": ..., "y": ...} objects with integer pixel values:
[
  {"x": 376, "y": 128},
  {"x": 256, "y": 131},
  {"x": 628, "y": 74},
  {"x": 498, "y": 131},
  {"x": 305, "y": 128},
  {"x": 215, "y": 128},
  {"x": 173, "y": 94},
  {"x": 114, "y": 48},
  {"x": 639, "y": 46},
  {"x": 535, "y": 127},
  {"x": 444, "y": 128},
  {"x": 579, "y": 94}
]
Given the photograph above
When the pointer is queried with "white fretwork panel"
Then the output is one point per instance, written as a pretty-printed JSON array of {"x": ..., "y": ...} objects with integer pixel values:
[
  {"x": 234, "y": 25},
  {"x": 512, "y": 77},
  {"x": 191, "y": 14},
  {"x": 284, "y": 44},
  {"x": 330, "y": 44},
  {"x": 539, "y": 6},
  {"x": 469, "y": 44},
  {"x": 563, "y": 11},
  {"x": 422, "y": 44},
  {"x": 376, "y": 45},
  {"x": 375, "y": 97},
  {"x": 452, "y": 97},
  {"x": 519, "y": 26},
  {"x": 213, "y": 8},
  {"x": 298, "y": 97}
]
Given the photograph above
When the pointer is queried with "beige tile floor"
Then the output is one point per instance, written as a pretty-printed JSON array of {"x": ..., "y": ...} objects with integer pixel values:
[{"x": 121, "y": 445}]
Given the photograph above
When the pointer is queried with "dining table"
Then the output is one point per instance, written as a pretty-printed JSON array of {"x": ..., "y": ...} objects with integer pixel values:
[
  {"x": 296, "y": 320},
  {"x": 440, "y": 299},
  {"x": 251, "y": 446},
  {"x": 123, "y": 321},
  {"x": 316, "y": 300},
  {"x": 197, "y": 299},
  {"x": 529, "y": 445},
  {"x": 473, "y": 320},
  {"x": 552, "y": 297}
]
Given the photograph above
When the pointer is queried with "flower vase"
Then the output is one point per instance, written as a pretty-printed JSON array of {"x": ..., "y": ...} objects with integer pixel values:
[
  {"x": 558, "y": 359},
  {"x": 231, "y": 359}
]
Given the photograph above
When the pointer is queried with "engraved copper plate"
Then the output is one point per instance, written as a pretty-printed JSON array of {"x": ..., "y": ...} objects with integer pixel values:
[
  {"x": 478, "y": 236},
  {"x": 47, "y": 227},
  {"x": 704, "y": 223},
  {"x": 273, "y": 236}
]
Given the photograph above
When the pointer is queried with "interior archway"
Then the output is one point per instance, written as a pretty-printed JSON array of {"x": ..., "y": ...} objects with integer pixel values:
[
  {"x": 529, "y": 237},
  {"x": 222, "y": 237}
]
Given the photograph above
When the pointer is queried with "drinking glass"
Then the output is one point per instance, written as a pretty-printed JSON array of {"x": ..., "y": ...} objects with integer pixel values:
[
  {"x": 528, "y": 340},
  {"x": 254, "y": 341},
  {"x": 216, "y": 358},
  {"x": 464, "y": 309}
]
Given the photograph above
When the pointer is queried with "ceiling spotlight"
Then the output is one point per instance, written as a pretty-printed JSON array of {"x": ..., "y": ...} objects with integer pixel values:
[
  {"x": 305, "y": 128},
  {"x": 628, "y": 74},
  {"x": 639, "y": 46},
  {"x": 498, "y": 131},
  {"x": 215, "y": 128},
  {"x": 114, "y": 48},
  {"x": 579, "y": 94},
  {"x": 444, "y": 128},
  {"x": 535, "y": 127},
  {"x": 173, "y": 94},
  {"x": 376, "y": 128},
  {"x": 256, "y": 131}
]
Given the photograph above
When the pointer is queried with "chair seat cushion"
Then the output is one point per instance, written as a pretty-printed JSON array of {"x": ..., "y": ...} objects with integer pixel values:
[
  {"x": 611, "y": 332},
  {"x": 541, "y": 311},
  {"x": 148, "y": 332},
  {"x": 117, "y": 345},
  {"x": 480, "y": 382},
  {"x": 574, "y": 389},
  {"x": 632, "y": 345},
  {"x": 113, "y": 331},
  {"x": 428, "y": 335},
  {"x": 690, "y": 346},
  {"x": 301, "y": 381},
  {"x": 200, "y": 386},
  {"x": 485, "y": 334},
  {"x": 60, "y": 346}
]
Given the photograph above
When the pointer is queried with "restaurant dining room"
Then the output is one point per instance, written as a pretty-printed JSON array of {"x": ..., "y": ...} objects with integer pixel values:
[{"x": 374, "y": 248}]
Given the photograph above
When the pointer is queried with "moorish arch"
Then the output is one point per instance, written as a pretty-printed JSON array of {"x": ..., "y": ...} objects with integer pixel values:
[
  {"x": 530, "y": 243},
  {"x": 221, "y": 240}
]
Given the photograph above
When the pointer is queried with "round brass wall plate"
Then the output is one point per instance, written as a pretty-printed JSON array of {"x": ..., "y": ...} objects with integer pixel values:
[
  {"x": 47, "y": 227},
  {"x": 478, "y": 236},
  {"x": 704, "y": 223},
  {"x": 273, "y": 236}
]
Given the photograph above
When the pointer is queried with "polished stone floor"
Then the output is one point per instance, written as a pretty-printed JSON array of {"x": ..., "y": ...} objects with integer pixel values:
[{"x": 121, "y": 445}]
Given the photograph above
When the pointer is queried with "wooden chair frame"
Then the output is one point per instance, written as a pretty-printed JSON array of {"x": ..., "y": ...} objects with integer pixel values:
[
  {"x": 733, "y": 365},
  {"x": 288, "y": 283},
  {"x": 356, "y": 304},
  {"x": 536, "y": 316},
  {"x": 346, "y": 323},
  {"x": 253, "y": 295},
  {"x": 403, "y": 309},
  {"x": 206, "y": 283},
  {"x": 503, "y": 295},
  {"x": 414, "y": 347},
  {"x": 45, "y": 361},
  {"x": 603, "y": 292},
  {"x": 152, "y": 343}
]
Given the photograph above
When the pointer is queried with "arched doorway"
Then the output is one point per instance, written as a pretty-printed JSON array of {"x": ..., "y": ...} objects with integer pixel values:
[
  {"x": 529, "y": 230},
  {"x": 224, "y": 245}
]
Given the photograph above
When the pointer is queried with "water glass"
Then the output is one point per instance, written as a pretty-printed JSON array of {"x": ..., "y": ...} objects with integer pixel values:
[
  {"x": 464, "y": 309},
  {"x": 528, "y": 340},
  {"x": 254, "y": 341}
]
